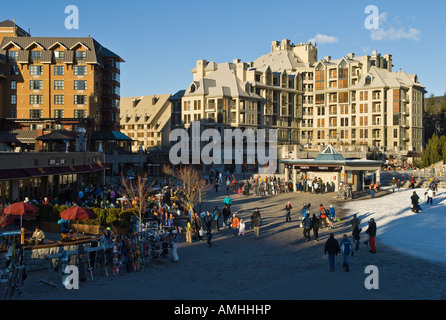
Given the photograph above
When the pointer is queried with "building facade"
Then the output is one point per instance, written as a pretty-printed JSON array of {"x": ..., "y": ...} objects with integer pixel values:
[
  {"x": 53, "y": 83},
  {"x": 349, "y": 102},
  {"x": 147, "y": 120}
]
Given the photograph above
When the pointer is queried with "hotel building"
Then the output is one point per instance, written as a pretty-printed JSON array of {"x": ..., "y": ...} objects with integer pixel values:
[
  {"x": 352, "y": 101},
  {"x": 56, "y": 83}
]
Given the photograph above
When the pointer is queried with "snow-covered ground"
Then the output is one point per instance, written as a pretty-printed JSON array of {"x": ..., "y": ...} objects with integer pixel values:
[{"x": 420, "y": 234}]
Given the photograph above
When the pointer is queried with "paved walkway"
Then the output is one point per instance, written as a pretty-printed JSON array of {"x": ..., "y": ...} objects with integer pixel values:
[{"x": 278, "y": 266}]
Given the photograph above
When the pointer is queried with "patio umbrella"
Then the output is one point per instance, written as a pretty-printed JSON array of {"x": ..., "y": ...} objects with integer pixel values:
[
  {"x": 21, "y": 209},
  {"x": 78, "y": 214}
]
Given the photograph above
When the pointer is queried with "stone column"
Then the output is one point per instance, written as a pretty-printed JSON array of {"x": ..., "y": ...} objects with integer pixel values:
[
  {"x": 294, "y": 179},
  {"x": 286, "y": 173}
]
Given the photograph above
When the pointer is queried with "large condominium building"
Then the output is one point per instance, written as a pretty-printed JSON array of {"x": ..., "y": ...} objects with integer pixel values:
[
  {"x": 147, "y": 120},
  {"x": 352, "y": 101},
  {"x": 54, "y": 83}
]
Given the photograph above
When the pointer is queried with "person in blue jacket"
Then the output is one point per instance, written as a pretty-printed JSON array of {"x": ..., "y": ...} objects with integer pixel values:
[
  {"x": 346, "y": 249},
  {"x": 64, "y": 225},
  {"x": 332, "y": 215}
]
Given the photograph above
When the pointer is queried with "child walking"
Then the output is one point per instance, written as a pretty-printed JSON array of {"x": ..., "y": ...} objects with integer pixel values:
[{"x": 241, "y": 228}]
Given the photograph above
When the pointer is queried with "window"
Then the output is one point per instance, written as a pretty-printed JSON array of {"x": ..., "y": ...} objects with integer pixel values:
[
  {"x": 343, "y": 97},
  {"x": 36, "y": 55},
  {"x": 59, "y": 99},
  {"x": 80, "y": 99},
  {"x": 13, "y": 99},
  {"x": 35, "y": 99},
  {"x": 59, "y": 55},
  {"x": 36, "y": 70},
  {"x": 36, "y": 85},
  {"x": 59, "y": 70},
  {"x": 320, "y": 78},
  {"x": 80, "y": 114},
  {"x": 59, "y": 84},
  {"x": 363, "y": 108},
  {"x": 197, "y": 104},
  {"x": 13, "y": 70},
  {"x": 59, "y": 114},
  {"x": 80, "y": 70},
  {"x": 363, "y": 95},
  {"x": 80, "y": 55},
  {"x": 13, "y": 85},
  {"x": 13, "y": 55},
  {"x": 186, "y": 106},
  {"x": 80, "y": 84},
  {"x": 395, "y": 133},
  {"x": 35, "y": 114}
]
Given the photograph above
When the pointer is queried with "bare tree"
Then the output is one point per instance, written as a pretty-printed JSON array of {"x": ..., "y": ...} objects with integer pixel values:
[
  {"x": 194, "y": 187},
  {"x": 137, "y": 191}
]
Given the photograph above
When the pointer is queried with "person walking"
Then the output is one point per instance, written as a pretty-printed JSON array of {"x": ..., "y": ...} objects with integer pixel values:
[
  {"x": 346, "y": 249},
  {"x": 332, "y": 248},
  {"x": 371, "y": 231},
  {"x": 226, "y": 214},
  {"x": 332, "y": 215},
  {"x": 208, "y": 220},
  {"x": 307, "y": 225},
  {"x": 235, "y": 222},
  {"x": 414, "y": 200},
  {"x": 323, "y": 215},
  {"x": 216, "y": 215},
  {"x": 189, "y": 230},
  {"x": 288, "y": 208},
  {"x": 356, "y": 237},
  {"x": 241, "y": 228},
  {"x": 316, "y": 225},
  {"x": 355, "y": 222},
  {"x": 393, "y": 184},
  {"x": 256, "y": 221},
  {"x": 175, "y": 241},
  {"x": 430, "y": 196}
]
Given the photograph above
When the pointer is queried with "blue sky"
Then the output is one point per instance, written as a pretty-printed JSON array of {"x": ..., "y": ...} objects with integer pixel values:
[{"x": 161, "y": 40}]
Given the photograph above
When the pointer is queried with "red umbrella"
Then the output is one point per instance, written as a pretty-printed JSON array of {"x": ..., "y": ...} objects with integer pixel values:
[
  {"x": 21, "y": 209},
  {"x": 77, "y": 213}
]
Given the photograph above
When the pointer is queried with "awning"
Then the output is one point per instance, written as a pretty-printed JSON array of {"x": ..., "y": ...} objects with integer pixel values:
[
  {"x": 75, "y": 169},
  {"x": 13, "y": 174},
  {"x": 98, "y": 167},
  {"x": 41, "y": 172}
]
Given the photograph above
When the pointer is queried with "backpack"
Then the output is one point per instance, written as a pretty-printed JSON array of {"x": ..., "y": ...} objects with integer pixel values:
[
  {"x": 218, "y": 213},
  {"x": 308, "y": 223}
]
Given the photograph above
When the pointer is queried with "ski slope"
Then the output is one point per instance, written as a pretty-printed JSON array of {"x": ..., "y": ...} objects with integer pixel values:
[{"x": 419, "y": 234}]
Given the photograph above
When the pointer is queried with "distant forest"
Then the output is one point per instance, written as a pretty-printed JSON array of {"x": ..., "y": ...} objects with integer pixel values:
[{"x": 434, "y": 122}]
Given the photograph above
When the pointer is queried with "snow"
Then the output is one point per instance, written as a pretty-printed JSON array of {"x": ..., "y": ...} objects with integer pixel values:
[{"x": 418, "y": 234}]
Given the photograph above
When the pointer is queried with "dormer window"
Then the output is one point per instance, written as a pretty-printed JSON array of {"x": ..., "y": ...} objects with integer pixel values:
[
  {"x": 36, "y": 55},
  {"x": 13, "y": 55},
  {"x": 368, "y": 80},
  {"x": 59, "y": 55},
  {"x": 80, "y": 55}
]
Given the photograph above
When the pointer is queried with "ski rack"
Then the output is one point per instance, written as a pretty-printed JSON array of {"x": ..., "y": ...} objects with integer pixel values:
[{"x": 58, "y": 257}]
